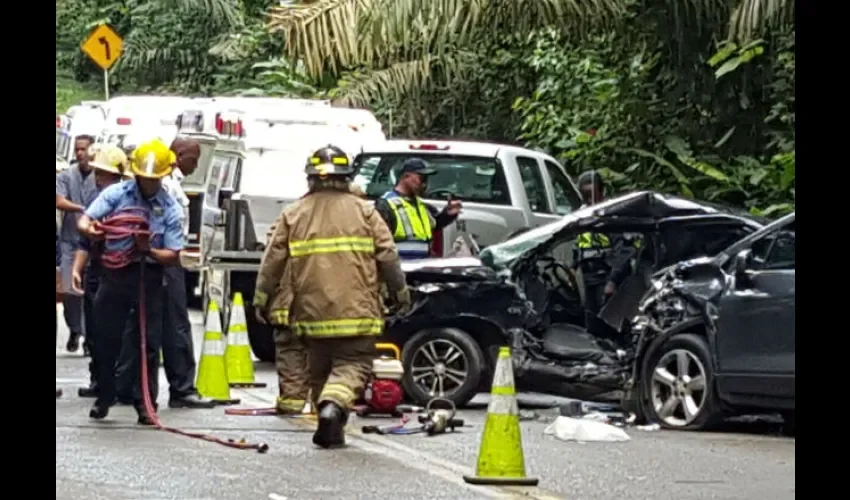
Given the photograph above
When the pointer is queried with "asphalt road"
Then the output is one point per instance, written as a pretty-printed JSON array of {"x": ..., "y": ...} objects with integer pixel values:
[{"x": 118, "y": 460}]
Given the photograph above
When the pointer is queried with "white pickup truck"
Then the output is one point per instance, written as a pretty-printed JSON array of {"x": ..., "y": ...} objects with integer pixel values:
[{"x": 505, "y": 190}]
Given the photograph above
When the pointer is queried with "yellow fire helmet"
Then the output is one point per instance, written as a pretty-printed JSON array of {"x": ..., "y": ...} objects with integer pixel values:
[
  {"x": 110, "y": 159},
  {"x": 152, "y": 160}
]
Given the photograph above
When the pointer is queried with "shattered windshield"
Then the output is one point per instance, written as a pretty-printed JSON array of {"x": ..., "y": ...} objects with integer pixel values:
[{"x": 501, "y": 255}]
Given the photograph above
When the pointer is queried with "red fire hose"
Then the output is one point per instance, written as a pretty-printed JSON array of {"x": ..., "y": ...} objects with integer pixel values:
[{"x": 125, "y": 224}]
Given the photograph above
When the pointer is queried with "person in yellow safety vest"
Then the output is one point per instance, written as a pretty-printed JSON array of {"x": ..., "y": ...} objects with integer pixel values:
[
  {"x": 318, "y": 286},
  {"x": 412, "y": 222},
  {"x": 603, "y": 266}
]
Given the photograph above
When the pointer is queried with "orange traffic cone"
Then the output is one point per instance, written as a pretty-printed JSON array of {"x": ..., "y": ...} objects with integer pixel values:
[
  {"x": 500, "y": 458},
  {"x": 237, "y": 355}
]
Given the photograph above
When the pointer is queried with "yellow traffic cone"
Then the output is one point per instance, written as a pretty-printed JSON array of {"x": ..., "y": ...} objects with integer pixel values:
[
  {"x": 212, "y": 374},
  {"x": 500, "y": 458},
  {"x": 237, "y": 355}
]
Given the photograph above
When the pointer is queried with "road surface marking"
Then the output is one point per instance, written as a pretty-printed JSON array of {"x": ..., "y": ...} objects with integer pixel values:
[{"x": 416, "y": 459}]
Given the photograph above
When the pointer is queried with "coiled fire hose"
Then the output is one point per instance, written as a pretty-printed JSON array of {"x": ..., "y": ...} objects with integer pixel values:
[{"x": 126, "y": 224}]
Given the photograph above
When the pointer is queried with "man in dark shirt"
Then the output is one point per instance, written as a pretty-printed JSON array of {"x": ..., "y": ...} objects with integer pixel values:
[{"x": 411, "y": 221}]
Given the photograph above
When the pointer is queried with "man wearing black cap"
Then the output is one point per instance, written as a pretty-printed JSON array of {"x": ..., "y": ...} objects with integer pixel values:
[
  {"x": 411, "y": 221},
  {"x": 604, "y": 260}
]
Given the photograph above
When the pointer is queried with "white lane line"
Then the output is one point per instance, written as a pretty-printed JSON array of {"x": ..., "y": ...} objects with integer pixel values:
[
  {"x": 275, "y": 496},
  {"x": 71, "y": 380},
  {"x": 416, "y": 459}
]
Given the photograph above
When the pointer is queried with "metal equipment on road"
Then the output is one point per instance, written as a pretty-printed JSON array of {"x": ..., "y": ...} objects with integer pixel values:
[{"x": 383, "y": 393}]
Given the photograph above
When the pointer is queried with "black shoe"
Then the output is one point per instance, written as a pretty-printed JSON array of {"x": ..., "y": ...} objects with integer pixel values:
[
  {"x": 87, "y": 392},
  {"x": 191, "y": 401},
  {"x": 99, "y": 410},
  {"x": 58, "y": 393},
  {"x": 73, "y": 342},
  {"x": 331, "y": 431},
  {"x": 145, "y": 419}
]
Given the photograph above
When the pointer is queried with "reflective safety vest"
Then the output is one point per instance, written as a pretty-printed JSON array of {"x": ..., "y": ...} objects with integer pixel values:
[
  {"x": 413, "y": 227},
  {"x": 592, "y": 245}
]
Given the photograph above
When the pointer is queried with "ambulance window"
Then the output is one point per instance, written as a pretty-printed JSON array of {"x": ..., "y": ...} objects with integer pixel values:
[
  {"x": 63, "y": 141},
  {"x": 199, "y": 176},
  {"x": 230, "y": 174}
]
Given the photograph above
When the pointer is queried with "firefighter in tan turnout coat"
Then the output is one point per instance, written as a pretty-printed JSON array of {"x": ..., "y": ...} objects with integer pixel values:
[{"x": 319, "y": 286}]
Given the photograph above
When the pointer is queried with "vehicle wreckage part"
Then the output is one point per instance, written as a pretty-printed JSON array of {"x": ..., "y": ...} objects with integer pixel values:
[
  {"x": 442, "y": 362},
  {"x": 678, "y": 384}
]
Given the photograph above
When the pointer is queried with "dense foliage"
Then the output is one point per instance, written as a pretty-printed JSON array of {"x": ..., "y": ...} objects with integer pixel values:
[{"x": 689, "y": 96}]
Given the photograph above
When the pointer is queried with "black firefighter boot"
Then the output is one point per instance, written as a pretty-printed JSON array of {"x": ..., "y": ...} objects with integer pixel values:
[{"x": 331, "y": 431}]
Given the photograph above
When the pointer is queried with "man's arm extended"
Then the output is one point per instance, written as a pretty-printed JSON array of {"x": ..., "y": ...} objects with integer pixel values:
[
  {"x": 62, "y": 202},
  {"x": 442, "y": 218}
]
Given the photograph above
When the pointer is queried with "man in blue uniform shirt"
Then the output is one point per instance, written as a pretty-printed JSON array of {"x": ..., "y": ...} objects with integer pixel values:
[{"x": 118, "y": 294}]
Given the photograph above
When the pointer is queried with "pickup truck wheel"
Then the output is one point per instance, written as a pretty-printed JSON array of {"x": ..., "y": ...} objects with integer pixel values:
[
  {"x": 678, "y": 385},
  {"x": 260, "y": 336},
  {"x": 442, "y": 360}
]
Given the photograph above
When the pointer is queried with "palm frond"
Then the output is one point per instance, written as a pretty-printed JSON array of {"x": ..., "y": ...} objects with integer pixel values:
[
  {"x": 751, "y": 18},
  {"x": 404, "y": 78},
  {"x": 226, "y": 12},
  {"x": 322, "y": 33}
]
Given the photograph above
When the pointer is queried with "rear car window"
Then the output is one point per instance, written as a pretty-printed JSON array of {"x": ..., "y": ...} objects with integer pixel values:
[
  {"x": 687, "y": 242},
  {"x": 469, "y": 178}
]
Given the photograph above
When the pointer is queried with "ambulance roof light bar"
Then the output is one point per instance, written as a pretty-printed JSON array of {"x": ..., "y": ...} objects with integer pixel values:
[
  {"x": 428, "y": 147},
  {"x": 123, "y": 121},
  {"x": 192, "y": 120},
  {"x": 229, "y": 127}
]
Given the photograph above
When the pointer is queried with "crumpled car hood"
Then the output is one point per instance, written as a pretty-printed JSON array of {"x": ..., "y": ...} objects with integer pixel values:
[{"x": 642, "y": 206}]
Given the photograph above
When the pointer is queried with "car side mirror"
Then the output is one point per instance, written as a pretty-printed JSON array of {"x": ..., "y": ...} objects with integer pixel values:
[{"x": 743, "y": 262}]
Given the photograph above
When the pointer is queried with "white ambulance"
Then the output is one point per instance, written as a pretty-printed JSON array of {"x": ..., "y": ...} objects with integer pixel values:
[
  {"x": 255, "y": 172},
  {"x": 218, "y": 123},
  {"x": 86, "y": 118}
]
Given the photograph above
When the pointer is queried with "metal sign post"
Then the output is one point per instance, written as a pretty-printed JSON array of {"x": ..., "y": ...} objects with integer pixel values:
[{"x": 103, "y": 47}]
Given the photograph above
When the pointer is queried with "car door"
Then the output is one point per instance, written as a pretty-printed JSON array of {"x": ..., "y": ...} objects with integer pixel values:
[
  {"x": 533, "y": 180},
  {"x": 756, "y": 334}
]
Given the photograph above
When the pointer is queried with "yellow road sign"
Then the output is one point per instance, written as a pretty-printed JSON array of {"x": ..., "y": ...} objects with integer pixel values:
[{"x": 103, "y": 46}]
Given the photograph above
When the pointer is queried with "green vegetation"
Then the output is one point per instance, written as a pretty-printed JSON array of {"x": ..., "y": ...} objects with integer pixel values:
[
  {"x": 70, "y": 92},
  {"x": 695, "y": 97}
]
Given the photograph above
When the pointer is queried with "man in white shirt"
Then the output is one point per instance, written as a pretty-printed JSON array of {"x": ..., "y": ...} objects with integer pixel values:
[{"x": 178, "y": 352}]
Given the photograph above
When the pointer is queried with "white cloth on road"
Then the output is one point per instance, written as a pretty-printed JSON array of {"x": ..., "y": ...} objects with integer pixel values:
[{"x": 585, "y": 431}]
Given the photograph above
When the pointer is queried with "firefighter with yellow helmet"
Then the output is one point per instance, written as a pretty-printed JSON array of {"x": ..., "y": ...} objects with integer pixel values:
[
  {"x": 118, "y": 294},
  {"x": 318, "y": 286}
]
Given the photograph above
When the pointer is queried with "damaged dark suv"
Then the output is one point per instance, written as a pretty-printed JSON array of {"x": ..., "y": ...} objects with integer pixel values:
[
  {"x": 527, "y": 293},
  {"x": 719, "y": 334}
]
